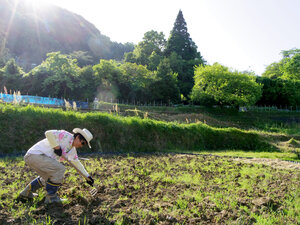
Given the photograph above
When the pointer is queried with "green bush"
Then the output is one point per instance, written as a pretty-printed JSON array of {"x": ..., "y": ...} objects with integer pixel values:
[{"x": 217, "y": 83}]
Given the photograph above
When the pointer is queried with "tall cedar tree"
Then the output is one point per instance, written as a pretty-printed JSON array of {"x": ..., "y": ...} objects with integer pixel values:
[{"x": 180, "y": 43}]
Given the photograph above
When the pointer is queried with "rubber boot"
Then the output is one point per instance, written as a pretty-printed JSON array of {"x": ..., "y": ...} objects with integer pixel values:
[
  {"x": 52, "y": 196},
  {"x": 30, "y": 189}
]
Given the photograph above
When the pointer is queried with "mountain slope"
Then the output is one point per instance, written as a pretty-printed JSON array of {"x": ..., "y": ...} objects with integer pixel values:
[{"x": 30, "y": 31}]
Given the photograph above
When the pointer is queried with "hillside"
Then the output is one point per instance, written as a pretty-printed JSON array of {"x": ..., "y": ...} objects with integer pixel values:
[{"x": 31, "y": 31}]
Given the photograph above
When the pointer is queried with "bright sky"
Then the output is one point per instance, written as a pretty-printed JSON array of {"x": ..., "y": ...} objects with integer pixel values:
[{"x": 240, "y": 34}]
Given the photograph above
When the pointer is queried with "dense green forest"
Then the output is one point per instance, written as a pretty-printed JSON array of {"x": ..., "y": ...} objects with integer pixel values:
[{"x": 75, "y": 61}]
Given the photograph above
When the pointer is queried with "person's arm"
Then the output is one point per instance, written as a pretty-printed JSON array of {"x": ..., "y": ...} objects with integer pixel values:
[
  {"x": 52, "y": 139},
  {"x": 73, "y": 158},
  {"x": 79, "y": 166}
]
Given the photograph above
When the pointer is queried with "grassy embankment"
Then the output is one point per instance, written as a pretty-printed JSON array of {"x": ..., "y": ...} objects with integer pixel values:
[
  {"x": 201, "y": 129},
  {"x": 280, "y": 128}
]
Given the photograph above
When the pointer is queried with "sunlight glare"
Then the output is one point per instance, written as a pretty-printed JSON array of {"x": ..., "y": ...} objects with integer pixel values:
[{"x": 37, "y": 3}]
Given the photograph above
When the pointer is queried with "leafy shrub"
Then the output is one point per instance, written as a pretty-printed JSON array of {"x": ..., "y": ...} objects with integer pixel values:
[{"x": 217, "y": 83}]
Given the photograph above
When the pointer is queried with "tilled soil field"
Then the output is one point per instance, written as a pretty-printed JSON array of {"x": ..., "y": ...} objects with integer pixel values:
[{"x": 158, "y": 189}]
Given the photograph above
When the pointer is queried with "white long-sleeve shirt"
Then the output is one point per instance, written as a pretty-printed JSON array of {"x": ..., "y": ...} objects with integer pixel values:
[{"x": 64, "y": 140}]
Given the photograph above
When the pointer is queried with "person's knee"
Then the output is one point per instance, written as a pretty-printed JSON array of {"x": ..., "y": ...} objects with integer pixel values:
[
  {"x": 59, "y": 175},
  {"x": 27, "y": 159},
  {"x": 62, "y": 169},
  {"x": 60, "y": 172}
]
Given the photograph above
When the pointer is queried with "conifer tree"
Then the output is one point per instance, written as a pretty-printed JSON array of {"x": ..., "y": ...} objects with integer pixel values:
[
  {"x": 180, "y": 41},
  {"x": 182, "y": 48}
]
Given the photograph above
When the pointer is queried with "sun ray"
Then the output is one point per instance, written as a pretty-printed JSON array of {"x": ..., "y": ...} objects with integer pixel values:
[
  {"x": 37, "y": 27},
  {"x": 12, "y": 16}
]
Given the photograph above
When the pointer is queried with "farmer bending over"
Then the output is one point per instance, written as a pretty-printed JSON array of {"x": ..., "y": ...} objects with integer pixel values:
[{"x": 45, "y": 156}]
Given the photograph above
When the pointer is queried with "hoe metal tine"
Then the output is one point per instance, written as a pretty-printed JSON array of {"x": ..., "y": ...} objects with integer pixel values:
[{"x": 93, "y": 192}]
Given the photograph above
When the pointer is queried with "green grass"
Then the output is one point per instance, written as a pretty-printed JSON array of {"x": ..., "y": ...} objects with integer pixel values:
[
  {"x": 21, "y": 127},
  {"x": 220, "y": 131}
]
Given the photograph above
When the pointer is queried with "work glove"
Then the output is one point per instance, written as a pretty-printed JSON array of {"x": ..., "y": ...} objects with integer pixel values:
[
  {"x": 90, "y": 181},
  {"x": 58, "y": 151}
]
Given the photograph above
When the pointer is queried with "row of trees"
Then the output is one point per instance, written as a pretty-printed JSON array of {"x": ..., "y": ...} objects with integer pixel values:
[
  {"x": 60, "y": 76},
  {"x": 158, "y": 70}
]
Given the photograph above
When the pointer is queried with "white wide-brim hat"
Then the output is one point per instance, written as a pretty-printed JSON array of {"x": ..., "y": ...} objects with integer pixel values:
[{"x": 85, "y": 133}]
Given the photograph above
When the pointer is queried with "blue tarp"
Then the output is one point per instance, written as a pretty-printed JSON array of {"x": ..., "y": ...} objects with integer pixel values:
[{"x": 40, "y": 100}]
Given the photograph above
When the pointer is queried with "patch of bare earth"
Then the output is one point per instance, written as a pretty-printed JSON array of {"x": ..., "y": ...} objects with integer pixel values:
[
  {"x": 157, "y": 189},
  {"x": 275, "y": 163}
]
